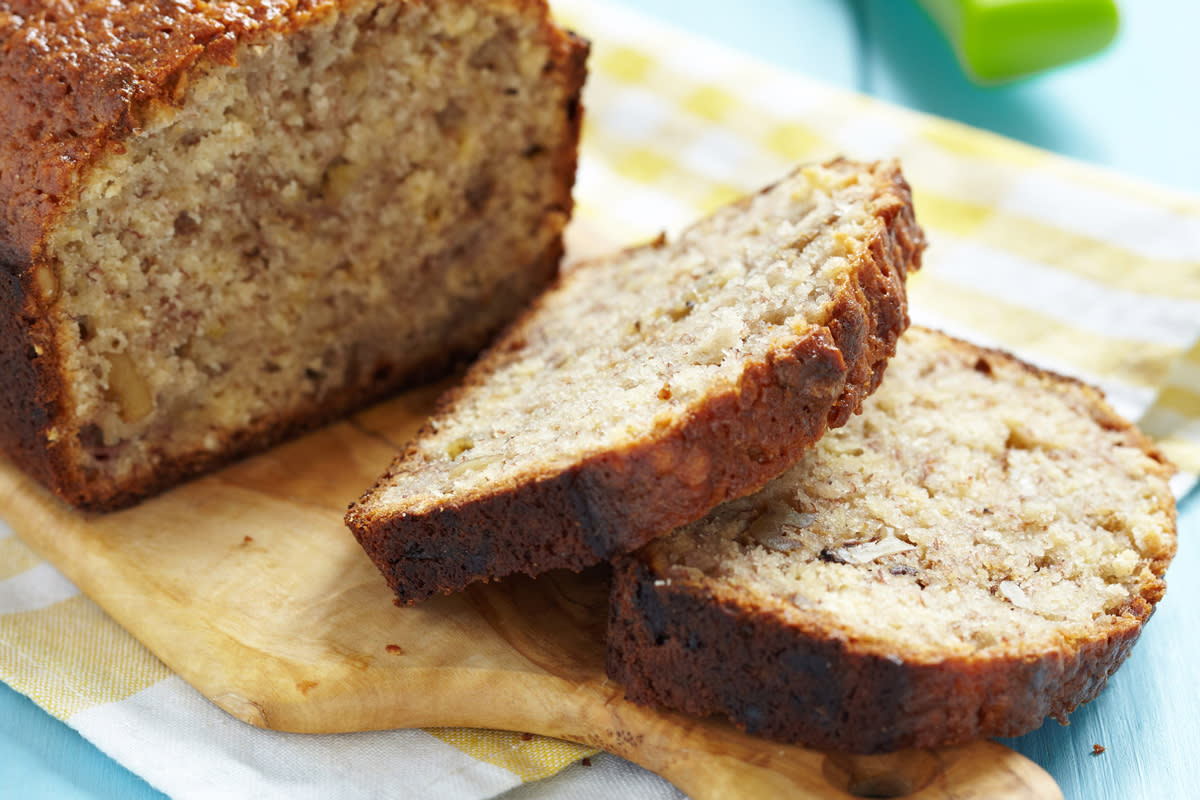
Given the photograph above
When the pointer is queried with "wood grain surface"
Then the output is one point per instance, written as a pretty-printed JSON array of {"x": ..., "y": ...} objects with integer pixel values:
[{"x": 247, "y": 584}]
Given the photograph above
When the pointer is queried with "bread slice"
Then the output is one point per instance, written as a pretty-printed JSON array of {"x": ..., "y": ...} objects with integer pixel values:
[
  {"x": 647, "y": 387},
  {"x": 978, "y": 550},
  {"x": 222, "y": 223}
]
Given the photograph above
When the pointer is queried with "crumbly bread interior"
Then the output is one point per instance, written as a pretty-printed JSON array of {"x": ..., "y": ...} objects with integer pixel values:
[
  {"x": 625, "y": 346},
  {"x": 350, "y": 198},
  {"x": 975, "y": 507}
]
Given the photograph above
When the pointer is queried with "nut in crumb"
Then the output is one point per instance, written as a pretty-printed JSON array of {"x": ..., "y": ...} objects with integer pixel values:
[
  {"x": 468, "y": 465},
  {"x": 358, "y": 82},
  {"x": 47, "y": 283},
  {"x": 459, "y": 446},
  {"x": 339, "y": 180},
  {"x": 1013, "y": 593},
  {"x": 128, "y": 389}
]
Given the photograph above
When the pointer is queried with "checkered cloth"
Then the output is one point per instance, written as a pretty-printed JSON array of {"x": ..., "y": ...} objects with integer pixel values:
[{"x": 1079, "y": 271}]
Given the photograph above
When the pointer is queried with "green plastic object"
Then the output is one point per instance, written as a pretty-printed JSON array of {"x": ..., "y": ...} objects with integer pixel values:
[{"x": 1003, "y": 40}]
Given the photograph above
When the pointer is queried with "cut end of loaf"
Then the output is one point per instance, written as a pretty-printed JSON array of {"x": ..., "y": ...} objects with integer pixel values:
[
  {"x": 647, "y": 387},
  {"x": 975, "y": 552},
  {"x": 340, "y": 208}
]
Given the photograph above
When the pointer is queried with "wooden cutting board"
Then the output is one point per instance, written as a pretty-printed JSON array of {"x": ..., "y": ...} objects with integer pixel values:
[{"x": 247, "y": 584}]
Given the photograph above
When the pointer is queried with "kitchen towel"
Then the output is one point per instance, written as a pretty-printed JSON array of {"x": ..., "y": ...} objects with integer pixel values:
[{"x": 1081, "y": 271}]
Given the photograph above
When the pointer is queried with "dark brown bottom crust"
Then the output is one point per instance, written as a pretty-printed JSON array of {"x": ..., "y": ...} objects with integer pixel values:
[
  {"x": 618, "y": 501},
  {"x": 671, "y": 645},
  {"x": 384, "y": 380}
]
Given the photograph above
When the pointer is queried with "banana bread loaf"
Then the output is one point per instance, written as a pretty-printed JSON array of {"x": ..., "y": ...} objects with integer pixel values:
[
  {"x": 645, "y": 388},
  {"x": 224, "y": 222},
  {"x": 977, "y": 551}
]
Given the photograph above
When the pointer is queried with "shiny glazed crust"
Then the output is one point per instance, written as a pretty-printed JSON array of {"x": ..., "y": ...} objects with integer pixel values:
[
  {"x": 615, "y": 501},
  {"x": 704, "y": 646},
  {"x": 74, "y": 87}
]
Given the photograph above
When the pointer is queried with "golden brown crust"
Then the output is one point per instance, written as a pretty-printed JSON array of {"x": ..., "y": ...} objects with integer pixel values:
[
  {"x": 703, "y": 646},
  {"x": 616, "y": 501},
  {"x": 74, "y": 82},
  {"x": 571, "y": 56}
]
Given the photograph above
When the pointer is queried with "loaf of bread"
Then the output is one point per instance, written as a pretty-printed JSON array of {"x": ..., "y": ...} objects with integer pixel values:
[
  {"x": 977, "y": 551},
  {"x": 647, "y": 387},
  {"x": 224, "y": 222}
]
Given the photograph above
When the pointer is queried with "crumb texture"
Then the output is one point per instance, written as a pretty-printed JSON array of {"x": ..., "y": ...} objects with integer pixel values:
[
  {"x": 628, "y": 346},
  {"x": 979, "y": 517},
  {"x": 646, "y": 387},
  {"x": 352, "y": 200}
]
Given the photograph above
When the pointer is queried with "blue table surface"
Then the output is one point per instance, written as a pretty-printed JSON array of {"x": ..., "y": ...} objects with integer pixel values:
[{"x": 1132, "y": 109}]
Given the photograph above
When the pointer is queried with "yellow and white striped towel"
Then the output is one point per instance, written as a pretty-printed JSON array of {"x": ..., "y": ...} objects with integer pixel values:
[{"x": 1081, "y": 271}]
